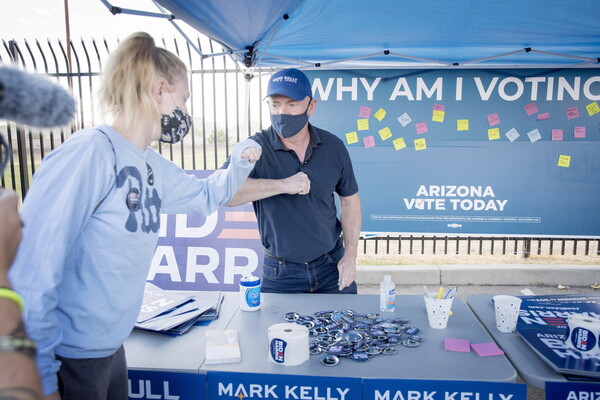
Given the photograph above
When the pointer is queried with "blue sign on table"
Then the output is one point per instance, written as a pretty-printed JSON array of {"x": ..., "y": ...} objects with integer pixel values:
[
  {"x": 166, "y": 385},
  {"x": 572, "y": 391},
  {"x": 235, "y": 386},
  {"x": 398, "y": 389}
]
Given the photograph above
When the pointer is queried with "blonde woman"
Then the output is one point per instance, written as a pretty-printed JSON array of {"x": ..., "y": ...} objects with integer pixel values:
[{"x": 91, "y": 221}]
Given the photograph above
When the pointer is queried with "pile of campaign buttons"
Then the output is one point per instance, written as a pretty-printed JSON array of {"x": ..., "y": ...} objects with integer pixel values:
[{"x": 360, "y": 337}]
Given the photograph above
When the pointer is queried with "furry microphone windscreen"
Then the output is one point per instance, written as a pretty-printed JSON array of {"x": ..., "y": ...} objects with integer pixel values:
[{"x": 33, "y": 100}]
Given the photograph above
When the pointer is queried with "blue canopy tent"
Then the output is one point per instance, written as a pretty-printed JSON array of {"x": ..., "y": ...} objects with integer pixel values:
[{"x": 395, "y": 33}]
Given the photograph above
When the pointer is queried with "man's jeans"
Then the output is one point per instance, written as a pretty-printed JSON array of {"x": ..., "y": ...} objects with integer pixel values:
[{"x": 318, "y": 276}]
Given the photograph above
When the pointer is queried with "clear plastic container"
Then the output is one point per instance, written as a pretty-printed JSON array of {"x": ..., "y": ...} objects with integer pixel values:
[{"x": 387, "y": 295}]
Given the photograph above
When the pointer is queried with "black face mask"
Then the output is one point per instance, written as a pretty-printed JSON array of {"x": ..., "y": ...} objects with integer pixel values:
[
  {"x": 175, "y": 126},
  {"x": 289, "y": 125}
]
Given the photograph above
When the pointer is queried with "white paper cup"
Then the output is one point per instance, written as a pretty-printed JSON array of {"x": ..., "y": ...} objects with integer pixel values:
[
  {"x": 507, "y": 312},
  {"x": 438, "y": 311}
]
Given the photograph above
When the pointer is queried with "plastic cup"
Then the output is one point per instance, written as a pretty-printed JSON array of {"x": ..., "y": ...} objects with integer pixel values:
[
  {"x": 438, "y": 311},
  {"x": 507, "y": 312}
]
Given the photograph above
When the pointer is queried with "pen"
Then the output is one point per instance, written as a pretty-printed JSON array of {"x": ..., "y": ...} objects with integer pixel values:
[
  {"x": 440, "y": 293},
  {"x": 426, "y": 292}
]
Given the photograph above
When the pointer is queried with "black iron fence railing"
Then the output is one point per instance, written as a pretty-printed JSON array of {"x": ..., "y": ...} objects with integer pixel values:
[{"x": 226, "y": 107}]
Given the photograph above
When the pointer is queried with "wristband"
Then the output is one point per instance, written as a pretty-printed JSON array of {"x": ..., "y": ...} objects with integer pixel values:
[
  {"x": 6, "y": 293},
  {"x": 24, "y": 346}
]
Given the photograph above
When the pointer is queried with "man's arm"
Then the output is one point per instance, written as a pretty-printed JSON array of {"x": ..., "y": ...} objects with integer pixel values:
[
  {"x": 257, "y": 189},
  {"x": 350, "y": 216},
  {"x": 18, "y": 374}
]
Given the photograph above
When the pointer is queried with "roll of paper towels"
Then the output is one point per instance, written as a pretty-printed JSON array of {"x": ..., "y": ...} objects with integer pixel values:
[
  {"x": 288, "y": 344},
  {"x": 583, "y": 333}
]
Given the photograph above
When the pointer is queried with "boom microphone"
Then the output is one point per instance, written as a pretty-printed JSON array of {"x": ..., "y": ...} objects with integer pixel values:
[{"x": 33, "y": 100}]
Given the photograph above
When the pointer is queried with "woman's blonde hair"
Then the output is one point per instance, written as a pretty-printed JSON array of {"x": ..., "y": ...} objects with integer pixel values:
[{"x": 130, "y": 74}]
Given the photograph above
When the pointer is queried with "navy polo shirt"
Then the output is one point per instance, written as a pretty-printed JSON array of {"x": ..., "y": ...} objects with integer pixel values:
[{"x": 300, "y": 228}]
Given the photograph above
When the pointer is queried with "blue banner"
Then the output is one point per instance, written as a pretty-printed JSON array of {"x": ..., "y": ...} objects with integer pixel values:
[
  {"x": 235, "y": 386},
  {"x": 166, "y": 385},
  {"x": 572, "y": 391},
  {"x": 197, "y": 252},
  {"x": 469, "y": 152},
  {"x": 398, "y": 389}
]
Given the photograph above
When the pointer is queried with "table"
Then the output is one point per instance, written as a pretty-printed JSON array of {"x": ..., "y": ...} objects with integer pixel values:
[
  {"x": 530, "y": 366},
  {"x": 146, "y": 351}
]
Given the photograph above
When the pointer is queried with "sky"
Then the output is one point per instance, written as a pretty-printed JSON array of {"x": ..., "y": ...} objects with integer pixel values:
[{"x": 45, "y": 19}]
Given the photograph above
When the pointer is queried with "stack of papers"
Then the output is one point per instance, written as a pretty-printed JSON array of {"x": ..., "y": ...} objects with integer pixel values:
[
  {"x": 222, "y": 347},
  {"x": 174, "y": 313}
]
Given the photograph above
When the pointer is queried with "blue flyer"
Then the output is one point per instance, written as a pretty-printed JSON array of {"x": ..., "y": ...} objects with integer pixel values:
[{"x": 543, "y": 325}]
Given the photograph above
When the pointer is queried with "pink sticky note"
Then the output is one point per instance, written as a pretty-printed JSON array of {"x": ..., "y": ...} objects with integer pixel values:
[
  {"x": 557, "y": 134},
  {"x": 365, "y": 112},
  {"x": 461, "y": 345},
  {"x": 579, "y": 132},
  {"x": 543, "y": 116},
  {"x": 421, "y": 127},
  {"x": 572, "y": 112},
  {"x": 369, "y": 141},
  {"x": 439, "y": 107},
  {"x": 493, "y": 119},
  {"x": 531, "y": 109},
  {"x": 487, "y": 349}
]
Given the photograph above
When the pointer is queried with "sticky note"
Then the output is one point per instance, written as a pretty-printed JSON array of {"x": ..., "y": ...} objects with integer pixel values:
[
  {"x": 543, "y": 116},
  {"x": 592, "y": 108},
  {"x": 493, "y": 119},
  {"x": 438, "y": 116},
  {"x": 369, "y": 141},
  {"x": 385, "y": 133},
  {"x": 363, "y": 124},
  {"x": 351, "y": 137},
  {"x": 579, "y": 132},
  {"x": 462, "y": 125},
  {"x": 380, "y": 114},
  {"x": 421, "y": 127},
  {"x": 572, "y": 112},
  {"x": 439, "y": 107},
  {"x": 494, "y": 134},
  {"x": 531, "y": 109},
  {"x": 399, "y": 143},
  {"x": 512, "y": 134},
  {"x": 364, "y": 112},
  {"x": 404, "y": 119},
  {"x": 462, "y": 345},
  {"x": 557, "y": 134},
  {"x": 420, "y": 144},
  {"x": 564, "y": 161},
  {"x": 487, "y": 349},
  {"x": 534, "y": 135}
]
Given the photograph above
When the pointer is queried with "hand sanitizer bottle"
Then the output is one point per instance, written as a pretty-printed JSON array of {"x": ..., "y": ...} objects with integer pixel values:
[{"x": 387, "y": 294}]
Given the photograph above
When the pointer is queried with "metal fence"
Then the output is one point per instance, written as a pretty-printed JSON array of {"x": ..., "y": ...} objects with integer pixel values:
[{"x": 227, "y": 106}]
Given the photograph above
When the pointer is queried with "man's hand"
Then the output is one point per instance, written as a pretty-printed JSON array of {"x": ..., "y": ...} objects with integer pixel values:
[
  {"x": 10, "y": 230},
  {"x": 347, "y": 271},
  {"x": 297, "y": 184},
  {"x": 252, "y": 153}
]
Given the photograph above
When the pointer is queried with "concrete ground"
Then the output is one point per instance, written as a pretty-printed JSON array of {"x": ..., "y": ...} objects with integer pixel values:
[{"x": 512, "y": 279}]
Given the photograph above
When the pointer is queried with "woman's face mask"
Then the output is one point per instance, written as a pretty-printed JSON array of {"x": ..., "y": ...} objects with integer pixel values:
[
  {"x": 289, "y": 125},
  {"x": 175, "y": 126}
]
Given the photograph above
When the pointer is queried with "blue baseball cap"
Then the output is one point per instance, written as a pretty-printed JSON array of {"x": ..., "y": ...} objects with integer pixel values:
[{"x": 290, "y": 82}]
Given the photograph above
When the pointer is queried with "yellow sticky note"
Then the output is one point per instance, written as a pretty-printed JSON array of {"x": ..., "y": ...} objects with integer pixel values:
[
  {"x": 462, "y": 124},
  {"x": 399, "y": 143},
  {"x": 380, "y": 114},
  {"x": 438, "y": 115},
  {"x": 420, "y": 144},
  {"x": 385, "y": 133},
  {"x": 494, "y": 134},
  {"x": 363, "y": 124},
  {"x": 564, "y": 161},
  {"x": 351, "y": 137},
  {"x": 592, "y": 108}
]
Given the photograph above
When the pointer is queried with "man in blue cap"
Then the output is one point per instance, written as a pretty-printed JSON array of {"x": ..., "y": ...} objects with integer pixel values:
[{"x": 307, "y": 248}]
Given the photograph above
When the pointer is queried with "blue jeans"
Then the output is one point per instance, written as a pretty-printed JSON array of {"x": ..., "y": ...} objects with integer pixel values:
[{"x": 318, "y": 276}]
